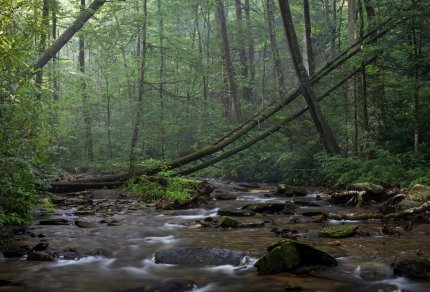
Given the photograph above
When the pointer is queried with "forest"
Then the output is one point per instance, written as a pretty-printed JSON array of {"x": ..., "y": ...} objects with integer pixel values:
[{"x": 169, "y": 104}]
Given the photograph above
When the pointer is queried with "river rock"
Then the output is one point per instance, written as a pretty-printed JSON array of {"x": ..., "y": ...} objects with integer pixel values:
[
  {"x": 419, "y": 193},
  {"x": 105, "y": 194},
  {"x": 41, "y": 246},
  {"x": 290, "y": 191},
  {"x": 16, "y": 251},
  {"x": 252, "y": 224},
  {"x": 227, "y": 222},
  {"x": 56, "y": 221},
  {"x": 224, "y": 196},
  {"x": 84, "y": 224},
  {"x": 235, "y": 212},
  {"x": 412, "y": 267},
  {"x": 265, "y": 207},
  {"x": 205, "y": 188},
  {"x": 99, "y": 252},
  {"x": 338, "y": 231},
  {"x": 289, "y": 208},
  {"x": 289, "y": 255},
  {"x": 367, "y": 187},
  {"x": 175, "y": 285},
  {"x": 40, "y": 256},
  {"x": 198, "y": 256}
]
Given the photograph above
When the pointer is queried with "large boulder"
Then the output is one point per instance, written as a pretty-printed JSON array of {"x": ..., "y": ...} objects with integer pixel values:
[
  {"x": 338, "y": 231},
  {"x": 419, "y": 193},
  {"x": 290, "y": 255},
  {"x": 198, "y": 256},
  {"x": 265, "y": 207},
  {"x": 412, "y": 266},
  {"x": 290, "y": 191}
]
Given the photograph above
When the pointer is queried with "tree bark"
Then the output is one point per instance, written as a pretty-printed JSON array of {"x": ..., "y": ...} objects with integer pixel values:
[
  {"x": 66, "y": 35},
  {"x": 351, "y": 93},
  {"x": 87, "y": 114},
  {"x": 228, "y": 61},
  {"x": 42, "y": 46},
  {"x": 161, "y": 78},
  {"x": 308, "y": 34},
  {"x": 274, "y": 46},
  {"x": 243, "y": 58},
  {"x": 326, "y": 135},
  {"x": 139, "y": 109},
  {"x": 364, "y": 82},
  {"x": 251, "y": 52},
  {"x": 56, "y": 87}
]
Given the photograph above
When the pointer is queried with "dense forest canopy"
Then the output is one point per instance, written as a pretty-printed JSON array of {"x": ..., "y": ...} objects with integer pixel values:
[{"x": 147, "y": 81}]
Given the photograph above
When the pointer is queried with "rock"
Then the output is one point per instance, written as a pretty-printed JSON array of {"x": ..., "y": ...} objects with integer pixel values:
[
  {"x": 198, "y": 256},
  {"x": 175, "y": 285},
  {"x": 374, "y": 271},
  {"x": 105, "y": 194},
  {"x": 40, "y": 246},
  {"x": 4, "y": 283},
  {"x": 57, "y": 221},
  {"x": 412, "y": 267},
  {"x": 70, "y": 253},
  {"x": 290, "y": 191},
  {"x": 205, "y": 188},
  {"x": 99, "y": 252},
  {"x": 305, "y": 203},
  {"x": 84, "y": 224},
  {"x": 289, "y": 208},
  {"x": 235, "y": 212},
  {"x": 265, "y": 207},
  {"x": 251, "y": 225},
  {"x": 289, "y": 255},
  {"x": 419, "y": 193},
  {"x": 367, "y": 187},
  {"x": 338, "y": 231},
  {"x": 224, "y": 196},
  {"x": 16, "y": 251},
  {"x": 40, "y": 256},
  {"x": 312, "y": 213},
  {"x": 84, "y": 213},
  {"x": 227, "y": 222}
]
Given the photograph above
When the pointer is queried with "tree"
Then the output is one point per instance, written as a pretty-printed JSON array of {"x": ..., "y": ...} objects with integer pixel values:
[{"x": 326, "y": 135}]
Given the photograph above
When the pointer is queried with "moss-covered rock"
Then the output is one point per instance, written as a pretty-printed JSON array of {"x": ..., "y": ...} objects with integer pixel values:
[
  {"x": 412, "y": 267},
  {"x": 265, "y": 207},
  {"x": 367, "y": 187},
  {"x": 289, "y": 255},
  {"x": 290, "y": 191},
  {"x": 338, "y": 231},
  {"x": 419, "y": 193},
  {"x": 228, "y": 222}
]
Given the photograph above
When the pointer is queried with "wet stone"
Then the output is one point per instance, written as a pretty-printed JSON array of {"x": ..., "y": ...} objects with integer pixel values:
[
  {"x": 198, "y": 256},
  {"x": 40, "y": 246},
  {"x": 174, "y": 285},
  {"x": 99, "y": 252},
  {"x": 252, "y": 225},
  {"x": 290, "y": 191},
  {"x": 84, "y": 224},
  {"x": 58, "y": 221},
  {"x": 40, "y": 257},
  {"x": 412, "y": 267},
  {"x": 374, "y": 271},
  {"x": 16, "y": 251},
  {"x": 235, "y": 212},
  {"x": 227, "y": 222},
  {"x": 224, "y": 196},
  {"x": 338, "y": 231},
  {"x": 265, "y": 207}
]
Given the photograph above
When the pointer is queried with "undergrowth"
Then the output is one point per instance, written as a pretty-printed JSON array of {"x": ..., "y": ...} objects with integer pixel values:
[{"x": 163, "y": 186}]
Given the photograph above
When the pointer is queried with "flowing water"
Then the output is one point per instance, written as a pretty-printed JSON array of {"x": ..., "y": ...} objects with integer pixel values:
[{"x": 363, "y": 260}]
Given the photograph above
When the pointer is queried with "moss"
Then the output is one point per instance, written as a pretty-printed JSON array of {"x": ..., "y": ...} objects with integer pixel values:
[
  {"x": 419, "y": 193},
  {"x": 228, "y": 222},
  {"x": 338, "y": 231},
  {"x": 265, "y": 207}
]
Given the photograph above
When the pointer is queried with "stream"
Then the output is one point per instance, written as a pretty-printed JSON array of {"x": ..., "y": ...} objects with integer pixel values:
[{"x": 139, "y": 230}]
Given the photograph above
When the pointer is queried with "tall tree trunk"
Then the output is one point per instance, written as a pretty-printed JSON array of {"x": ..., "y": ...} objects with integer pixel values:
[
  {"x": 416, "y": 54},
  {"x": 139, "y": 109},
  {"x": 308, "y": 34},
  {"x": 243, "y": 58},
  {"x": 364, "y": 82},
  {"x": 66, "y": 35},
  {"x": 200, "y": 46},
  {"x": 87, "y": 114},
  {"x": 326, "y": 135},
  {"x": 42, "y": 45},
  {"x": 228, "y": 62},
  {"x": 251, "y": 52},
  {"x": 352, "y": 94},
  {"x": 56, "y": 87},
  {"x": 161, "y": 78},
  {"x": 274, "y": 45}
]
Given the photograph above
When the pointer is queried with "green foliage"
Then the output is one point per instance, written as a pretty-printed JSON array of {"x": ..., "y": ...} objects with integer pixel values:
[
  {"x": 17, "y": 191},
  {"x": 164, "y": 186}
]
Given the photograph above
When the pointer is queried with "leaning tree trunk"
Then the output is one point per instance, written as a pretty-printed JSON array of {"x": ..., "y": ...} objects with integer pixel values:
[
  {"x": 66, "y": 35},
  {"x": 326, "y": 135}
]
